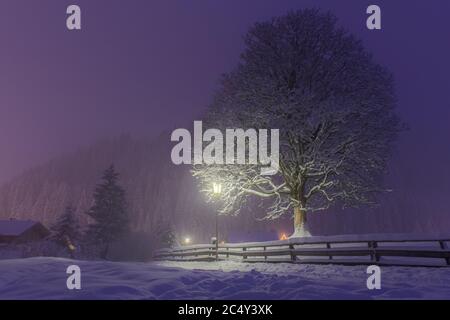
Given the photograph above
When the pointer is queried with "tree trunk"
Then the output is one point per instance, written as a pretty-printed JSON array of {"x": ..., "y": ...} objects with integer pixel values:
[{"x": 300, "y": 227}]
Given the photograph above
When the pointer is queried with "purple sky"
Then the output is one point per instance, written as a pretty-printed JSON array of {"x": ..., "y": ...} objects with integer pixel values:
[{"x": 143, "y": 66}]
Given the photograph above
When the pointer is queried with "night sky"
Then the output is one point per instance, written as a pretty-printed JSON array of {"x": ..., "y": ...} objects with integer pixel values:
[{"x": 145, "y": 66}]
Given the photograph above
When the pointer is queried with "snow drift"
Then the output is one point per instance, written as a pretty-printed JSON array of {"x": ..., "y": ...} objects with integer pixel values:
[{"x": 45, "y": 278}]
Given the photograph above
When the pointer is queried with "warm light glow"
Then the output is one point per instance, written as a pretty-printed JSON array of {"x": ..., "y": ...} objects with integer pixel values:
[
  {"x": 283, "y": 236},
  {"x": 187, "y": 240},
  {"x": 217, "y": 188}
]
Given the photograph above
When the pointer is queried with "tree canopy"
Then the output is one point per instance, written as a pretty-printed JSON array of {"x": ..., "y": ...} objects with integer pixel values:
[{"x": 334, "y": 106}]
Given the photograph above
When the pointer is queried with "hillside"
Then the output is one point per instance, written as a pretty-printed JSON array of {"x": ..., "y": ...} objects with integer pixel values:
[{"x": 156, "y": 189}]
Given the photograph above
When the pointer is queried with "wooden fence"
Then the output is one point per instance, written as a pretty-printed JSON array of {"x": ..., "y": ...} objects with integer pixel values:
[{"x": 347, "y": 250}]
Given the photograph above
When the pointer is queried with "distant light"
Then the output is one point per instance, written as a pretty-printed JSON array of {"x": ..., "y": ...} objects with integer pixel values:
[
  {"x": 222, "y": 242},
  {"x": 187, "y": 240},
  {"x": 217, "y": 188},
  {"x": 283, "y": 236}
]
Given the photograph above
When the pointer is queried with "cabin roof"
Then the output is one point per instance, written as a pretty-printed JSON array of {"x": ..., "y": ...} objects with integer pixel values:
[{"x": 14, "y": 227}]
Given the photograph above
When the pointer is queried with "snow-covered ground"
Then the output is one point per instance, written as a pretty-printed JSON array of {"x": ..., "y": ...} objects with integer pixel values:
[{"x": 45, "y": 278}]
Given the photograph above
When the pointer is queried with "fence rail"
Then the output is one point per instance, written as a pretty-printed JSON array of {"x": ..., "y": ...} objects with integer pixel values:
[{"x": 349, "y": 250}]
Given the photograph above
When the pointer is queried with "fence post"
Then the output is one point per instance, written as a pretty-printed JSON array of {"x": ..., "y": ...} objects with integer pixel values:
[
  {"x": 373, "y": 255},
  {"x": 244, "y": 249},
  {"x": 265, "y": 254},
  {"x": 444, "y": 247},
  {"x": 293, "y": 256},
  {"x": 330, "y": 257},
  {"x": 228, "y": 254}
]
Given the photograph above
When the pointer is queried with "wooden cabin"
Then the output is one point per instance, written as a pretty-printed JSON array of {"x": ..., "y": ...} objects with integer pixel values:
[{"x": 21, "y": 231}]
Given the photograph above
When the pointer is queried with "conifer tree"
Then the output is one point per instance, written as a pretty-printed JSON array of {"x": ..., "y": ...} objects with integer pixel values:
[
  {"x": 66, "y": 230},
  {"x": 109, "y": 213},
  {"x": 165, "y": 234}
]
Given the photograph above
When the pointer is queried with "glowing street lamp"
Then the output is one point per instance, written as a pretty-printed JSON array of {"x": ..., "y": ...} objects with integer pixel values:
[
  {"x": 217, "y": 190},
  {"x": 187, "y": 240}
]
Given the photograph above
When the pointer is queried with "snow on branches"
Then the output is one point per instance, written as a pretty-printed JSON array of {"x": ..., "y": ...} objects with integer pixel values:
[{"x": 334, "y": 107}]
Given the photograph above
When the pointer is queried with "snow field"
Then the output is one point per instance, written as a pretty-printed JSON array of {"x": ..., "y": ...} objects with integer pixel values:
[{"x": 45, "y": 278}]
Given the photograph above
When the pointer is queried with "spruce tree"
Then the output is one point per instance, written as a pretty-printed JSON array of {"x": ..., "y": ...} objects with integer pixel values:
[
  {"x": 165, "y": 235},
  {"x": 108, "y": 212},
  {"x": 66, "y": 230}
]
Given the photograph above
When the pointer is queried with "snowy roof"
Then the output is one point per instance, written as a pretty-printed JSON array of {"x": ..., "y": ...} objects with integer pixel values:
[{"x": 14, "y": 227}]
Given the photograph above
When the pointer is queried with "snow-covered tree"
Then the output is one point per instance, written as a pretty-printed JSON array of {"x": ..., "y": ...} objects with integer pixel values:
[
  {"x": 165, "y": 234},
  {"x": 109, "y": 213},
  {"x": 334, "y": 107},
  {"x": 66, "y": 230}
]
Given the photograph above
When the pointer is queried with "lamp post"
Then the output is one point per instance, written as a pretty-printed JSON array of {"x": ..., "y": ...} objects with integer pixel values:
[{"x": 217, "y": 189}]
